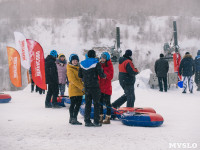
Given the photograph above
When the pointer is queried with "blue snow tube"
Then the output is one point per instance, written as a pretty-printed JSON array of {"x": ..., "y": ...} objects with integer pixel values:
[
  {"x": 142, "y": 119},
  {"x": 5, "y": 98},
  {"x": 180, "y": 84},
  {"x": 82, "y": 111}
]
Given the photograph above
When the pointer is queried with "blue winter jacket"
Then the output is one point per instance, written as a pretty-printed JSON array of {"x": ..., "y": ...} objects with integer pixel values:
[{"x": 197, "y": 61}]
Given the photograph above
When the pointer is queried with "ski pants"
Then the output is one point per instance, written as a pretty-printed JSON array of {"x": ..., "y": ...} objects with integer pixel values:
[
  {"x": 32, "y": 85},
  {"x": 187, "y": 80},
  {"x": 95, "y": 95},
  {"x": 105, "y": 99},
  {"x": 75, "y": 106},
  {"x": 129, "y": 96},
  {"x": 160, "y": 82},
  {"x": 61, "y": 89},
  {"x": 52, "y": 91}
]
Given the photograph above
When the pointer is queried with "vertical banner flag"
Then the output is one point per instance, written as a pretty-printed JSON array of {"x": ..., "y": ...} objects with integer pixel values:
[
  {"x": 22, "y": 48},
  {"x": 37, "y": 63},
  {"x": 177, "y": 62},
  {"x": 14, "y": 66}
]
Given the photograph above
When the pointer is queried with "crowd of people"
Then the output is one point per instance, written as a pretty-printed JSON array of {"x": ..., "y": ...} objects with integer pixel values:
[
  {"x": 188, "y": 68},
  {"x": 92, "y": 77}
]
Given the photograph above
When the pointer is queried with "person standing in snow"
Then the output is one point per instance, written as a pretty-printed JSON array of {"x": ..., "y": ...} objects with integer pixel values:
[
  {"x": 89, "y": 71},
  {"x": 62, "y": 73},
  {"x": 127, "y": 73},
  {"x": 52, "y": 80},
  {"x": 75, "y": 89},
  {"x": 32, "y": 83},
  {"x": 197, "y": 70},
  {"x": 106, "y": 86},
  {"x": 187, "y": 70},
  {"x": 161, "y": 70}
]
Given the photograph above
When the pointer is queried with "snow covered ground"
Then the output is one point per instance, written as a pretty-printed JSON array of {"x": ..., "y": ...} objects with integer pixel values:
[{"x": 26, "y": 125}]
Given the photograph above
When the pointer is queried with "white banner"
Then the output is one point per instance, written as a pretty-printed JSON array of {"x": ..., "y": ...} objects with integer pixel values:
[{"x": 22, "y": 48}]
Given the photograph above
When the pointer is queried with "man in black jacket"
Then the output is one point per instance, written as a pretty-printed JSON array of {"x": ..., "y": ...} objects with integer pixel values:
[
  {"x": 89, "y": 71},
  {"x": 52, "y": 80},
  {"x": 161, "y": 69},
  {"x": 187, "y": 70},
  {"x": 127, "y": 73}
]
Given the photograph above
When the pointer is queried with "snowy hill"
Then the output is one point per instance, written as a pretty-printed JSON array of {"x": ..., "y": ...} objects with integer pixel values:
[{"x": 26, "y": 124}]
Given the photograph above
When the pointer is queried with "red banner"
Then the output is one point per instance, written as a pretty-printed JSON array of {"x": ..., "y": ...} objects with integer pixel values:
[
  {"x": 37, "y": 63},
  {"x": 177, "y": 62},
  {"x": 14, "y": 67}
]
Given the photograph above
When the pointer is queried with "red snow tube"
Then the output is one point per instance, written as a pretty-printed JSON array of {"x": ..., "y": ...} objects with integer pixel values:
[
  {"x": 135, "y": 109},
  {"x": 5, "y": 98}
]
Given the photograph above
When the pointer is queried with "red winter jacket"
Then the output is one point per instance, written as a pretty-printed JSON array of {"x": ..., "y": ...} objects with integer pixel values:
[{"x": 105, "y": 84}]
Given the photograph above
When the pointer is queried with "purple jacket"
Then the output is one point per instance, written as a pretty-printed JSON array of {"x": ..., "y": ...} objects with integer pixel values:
[{"x": 62, "y": 72}]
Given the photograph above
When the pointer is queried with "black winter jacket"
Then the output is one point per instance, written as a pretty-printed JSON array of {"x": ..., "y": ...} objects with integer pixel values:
[
  {"x": 51, "y": 72},
  {"x": 127, "y": 71},
  {"x": 89, "y": 71},
  {"x": 187, "y": 66},
  {"x": 161, "y": 67}
]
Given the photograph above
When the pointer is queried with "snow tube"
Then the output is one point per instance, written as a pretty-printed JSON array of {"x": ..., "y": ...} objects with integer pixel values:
[
  {"x": 142, "y": 119},
  {"x": 82, "y": 111},
  {"x": 67, "y": 101},
  {"x": 5, "y": 98},
  {"x": 61, "y": 100},
  {"x": 122, "y": 110},
  {"x": 180, "y": 84}
]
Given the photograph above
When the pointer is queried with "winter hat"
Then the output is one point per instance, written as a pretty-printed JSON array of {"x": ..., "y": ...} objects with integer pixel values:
[
  {"x": 73, "y": 57},
  {"x": 198, "y": 53},
  {"x": 61, "y": 55},
  {"x": 91, "y": 54},
  {"x": 54, "y": 53},
  {"x": 187, "y": 53},
  {"x": 128, "y": 53},
  {"x": 161, "y": 55},
  {"x": 105, "y": 55}
]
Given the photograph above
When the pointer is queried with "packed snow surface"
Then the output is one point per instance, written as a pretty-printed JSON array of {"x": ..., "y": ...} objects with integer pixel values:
[{"x": 26, "y": 125}]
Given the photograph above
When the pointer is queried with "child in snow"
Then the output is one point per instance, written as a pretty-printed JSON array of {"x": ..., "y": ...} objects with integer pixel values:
[
  {"x": 106, "y": 86},
  {"x": 51, "y": 74},
  {"x": 76, "y": 88},
  {"x": 89, "y": 71},
  {"x": 62, "y": 73},
  {"x": 187, "y": 70},
  {"x": 197, "y": 73}
]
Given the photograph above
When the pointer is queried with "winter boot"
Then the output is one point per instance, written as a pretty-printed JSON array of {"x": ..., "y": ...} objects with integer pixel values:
[
  {"x": 101, "y": 118},
  {"x": 97, "y": 124},
  {"x": 56, "y": 106},
  {"x": 184, "y": 91},
  {"x": 76, "y": 122},
  {"x": 48, "y": 105},
  {"x": 89, "y": 124},
  {"x": 70, "y": 120},
  {"x": 107, "y": 120}
]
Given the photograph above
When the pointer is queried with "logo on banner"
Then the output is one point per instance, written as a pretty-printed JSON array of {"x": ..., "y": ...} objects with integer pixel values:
[
  {"x": 37, "y": 68},
  {"x": 22, "y": 44},
  {"x": 15, "y": 67}
]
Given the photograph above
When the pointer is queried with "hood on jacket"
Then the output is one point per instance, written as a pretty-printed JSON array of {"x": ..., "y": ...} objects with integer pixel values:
[
  {"x": 122, "y": 59},
  {"x": 198, "y": 53},
  {"x": 187, "y": 56},
  {"x": 89, "y": 63}
]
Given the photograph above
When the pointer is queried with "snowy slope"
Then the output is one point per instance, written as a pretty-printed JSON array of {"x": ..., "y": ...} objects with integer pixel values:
[{"x": 27, "y": 125}]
